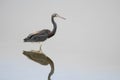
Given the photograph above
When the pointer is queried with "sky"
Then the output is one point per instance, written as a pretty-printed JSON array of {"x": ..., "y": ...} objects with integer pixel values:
[{"x": 86, "y": 45}]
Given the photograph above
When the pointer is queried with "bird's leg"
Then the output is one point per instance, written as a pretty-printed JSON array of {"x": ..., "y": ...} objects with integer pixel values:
[{"x": 40, "y": 48}]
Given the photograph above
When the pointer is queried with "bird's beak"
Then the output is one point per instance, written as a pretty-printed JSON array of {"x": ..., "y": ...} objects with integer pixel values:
[{"x": 61, "y": 17}]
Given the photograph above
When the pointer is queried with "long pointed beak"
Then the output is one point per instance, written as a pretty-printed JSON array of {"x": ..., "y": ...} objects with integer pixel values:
[{"x": 61, "y": 17}]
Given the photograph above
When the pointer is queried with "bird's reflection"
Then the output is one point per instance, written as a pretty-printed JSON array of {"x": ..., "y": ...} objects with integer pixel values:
[{"x": 40, "y": 58}]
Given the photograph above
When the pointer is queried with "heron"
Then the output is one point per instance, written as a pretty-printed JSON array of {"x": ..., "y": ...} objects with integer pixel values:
[{"x": 42, "y": 35}]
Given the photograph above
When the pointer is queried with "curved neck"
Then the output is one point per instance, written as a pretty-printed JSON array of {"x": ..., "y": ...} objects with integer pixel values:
[{"x": 54, "y": 28}]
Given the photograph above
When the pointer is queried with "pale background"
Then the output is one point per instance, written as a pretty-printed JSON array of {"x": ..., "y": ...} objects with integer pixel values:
[{"x": 85, "y": 47}]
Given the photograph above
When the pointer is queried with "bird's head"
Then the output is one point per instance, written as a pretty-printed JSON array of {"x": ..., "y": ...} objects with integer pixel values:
[{"x": 56, "y": 15}]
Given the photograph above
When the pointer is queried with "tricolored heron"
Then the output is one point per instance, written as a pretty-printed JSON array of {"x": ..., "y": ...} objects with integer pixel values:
[{"x": 44, "y": 34}]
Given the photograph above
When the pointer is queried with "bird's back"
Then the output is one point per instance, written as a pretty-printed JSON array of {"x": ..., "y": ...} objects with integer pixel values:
[{"x": 44, "y": 32}]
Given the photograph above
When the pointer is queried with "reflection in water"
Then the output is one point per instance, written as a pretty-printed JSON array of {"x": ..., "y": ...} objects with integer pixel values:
[{"x": 41, "y": 58}]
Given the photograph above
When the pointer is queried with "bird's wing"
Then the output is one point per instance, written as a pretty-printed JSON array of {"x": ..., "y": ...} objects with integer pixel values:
[
  {"x": 42, "y": 32},
  {"x": 37, "y": 37}
]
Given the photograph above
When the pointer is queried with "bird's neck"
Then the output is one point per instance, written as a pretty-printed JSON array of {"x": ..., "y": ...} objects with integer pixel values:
[{"x": 54, "y": 28}]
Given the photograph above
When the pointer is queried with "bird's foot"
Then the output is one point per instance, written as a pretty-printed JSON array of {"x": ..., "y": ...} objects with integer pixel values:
[{"x": 40, "y": 51}]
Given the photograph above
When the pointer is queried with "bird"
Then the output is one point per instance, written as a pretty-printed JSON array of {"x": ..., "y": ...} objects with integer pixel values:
[
  {"x": 42, "y": 59},
  {"x": 43, "y": 35}
]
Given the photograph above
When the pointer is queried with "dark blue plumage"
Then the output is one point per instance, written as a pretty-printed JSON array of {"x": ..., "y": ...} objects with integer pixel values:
[{"x": 38, "y": 36}]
